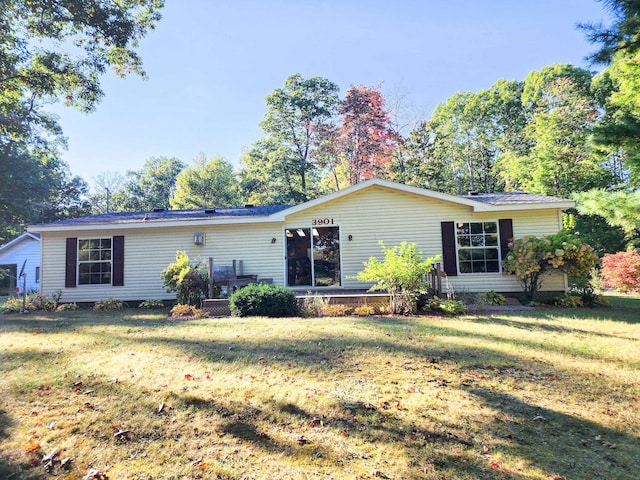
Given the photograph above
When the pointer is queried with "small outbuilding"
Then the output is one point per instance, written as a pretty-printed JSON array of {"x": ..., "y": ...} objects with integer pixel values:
[
  {"x": 318, "y": 245},
  {"x": 22, "y": 250}
]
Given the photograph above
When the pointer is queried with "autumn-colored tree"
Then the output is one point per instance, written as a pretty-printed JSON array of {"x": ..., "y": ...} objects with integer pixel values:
[
  {"x": 283, "y": 165},
  {"x": 621, "y": 271},
  {"x": 367, "y": 142}
]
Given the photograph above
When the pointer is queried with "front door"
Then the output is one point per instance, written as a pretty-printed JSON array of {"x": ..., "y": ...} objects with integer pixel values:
[{"x": 313, "y": 257}]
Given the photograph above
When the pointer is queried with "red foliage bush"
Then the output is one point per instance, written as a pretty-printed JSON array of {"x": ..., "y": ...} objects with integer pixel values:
[{"x": 621, "y": 271}]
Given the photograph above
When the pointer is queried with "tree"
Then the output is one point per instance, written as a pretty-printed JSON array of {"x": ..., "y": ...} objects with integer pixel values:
[
  {"x": 458, "y": 148},
  {"x": 620, "y": 208},
  {"x": 367, "y": 142},
  {"x": 52, "y": 51},
  {"x": 621, "y": 271},
  {"x": 153, "y": 186},
  {"x": 207, "y": 184},
  {"x": 297, "y": 117},
  {"x": 400, "y": 274},
  {"x": 561, "y": 158},
  {"x": 620, "y": 49},
  {"x": 622, "y": 36},
  {"x": 36, "y": 187}
]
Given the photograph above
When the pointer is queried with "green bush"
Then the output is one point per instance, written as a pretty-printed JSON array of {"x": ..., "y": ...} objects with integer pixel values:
[
  {"x": 151, "y": 304},
  {"x": 448, "y": 307},
  {"x": 401, "y": 274},
  {"x": 263, "y": 300},
  {"x": 491, "y": 298},
  {"x": 109, "y": 304},
  {"x": 190, "y": 282}
]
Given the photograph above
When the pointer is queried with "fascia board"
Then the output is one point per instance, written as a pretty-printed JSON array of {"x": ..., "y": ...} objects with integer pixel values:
[{"x": 156, "y": 224}]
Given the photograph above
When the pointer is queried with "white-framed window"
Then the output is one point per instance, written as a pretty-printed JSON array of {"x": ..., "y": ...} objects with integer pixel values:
[
  {"x": 478, "y": 247},
  {"x": 37, "y": 274},
  {"x": 94, "y": 261}
]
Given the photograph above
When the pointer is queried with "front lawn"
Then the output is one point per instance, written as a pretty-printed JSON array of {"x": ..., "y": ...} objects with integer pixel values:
[{"x": 548, "y": 394}]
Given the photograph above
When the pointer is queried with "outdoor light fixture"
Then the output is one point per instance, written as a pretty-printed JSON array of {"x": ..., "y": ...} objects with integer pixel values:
[
  {"x": 273, "y": 240},
  {"x": 350, "y": 237},
  {"x": 199, "y": 238}
]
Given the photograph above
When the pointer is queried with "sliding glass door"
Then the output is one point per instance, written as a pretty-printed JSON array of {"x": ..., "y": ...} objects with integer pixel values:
[{"x": 313, "y": 257}]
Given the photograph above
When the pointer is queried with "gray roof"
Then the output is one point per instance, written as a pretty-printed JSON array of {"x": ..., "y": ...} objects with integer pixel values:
[
  {"x": 512, "y": 198},
  {"x": 171, "y": 215}
]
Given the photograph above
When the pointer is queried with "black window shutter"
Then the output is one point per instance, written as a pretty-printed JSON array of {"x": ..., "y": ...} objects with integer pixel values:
[
  {"x": 71, "y": 263},
  {"x": 118, "y": 261},
  {"x": 449, "y": 248},
  {"x": 506, "y": 236}
]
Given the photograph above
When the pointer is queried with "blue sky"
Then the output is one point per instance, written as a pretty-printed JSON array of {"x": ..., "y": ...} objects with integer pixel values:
[{"x": 211, "y": 63}]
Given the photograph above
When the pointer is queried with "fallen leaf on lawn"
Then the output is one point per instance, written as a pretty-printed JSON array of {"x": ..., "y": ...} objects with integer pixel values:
[
  {"x": 124, "y": 434},
  {"x": 94, "y": 473},
  {"x": 32, "y": 446},
  {"x": 495, "y": 465},
  {"x": 315, "y": 422},
  {"x": 188, "y": 376},
  {"x": 302, "y": 440},
  {"x": 160, "y": 408},
  {"x": 54, "y": 453},
  {"x": 552, "y": 377}
]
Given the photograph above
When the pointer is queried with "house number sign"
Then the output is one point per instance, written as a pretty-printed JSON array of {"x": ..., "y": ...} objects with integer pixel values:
[{"x": 322, "y": 221}]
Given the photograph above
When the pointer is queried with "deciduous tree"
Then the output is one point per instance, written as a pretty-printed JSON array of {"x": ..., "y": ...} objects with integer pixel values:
[{"x": 207, "y": 184}]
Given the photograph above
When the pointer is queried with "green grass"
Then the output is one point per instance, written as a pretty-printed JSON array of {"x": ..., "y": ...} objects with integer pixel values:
[{"x": 544, "y": 394}]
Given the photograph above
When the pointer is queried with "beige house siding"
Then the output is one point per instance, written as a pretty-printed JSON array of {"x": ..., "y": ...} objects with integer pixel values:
[
  {"x": 392, "y": 216},
  {"x": 148, "y": 250},
  {"x": 368, "y": 215}
]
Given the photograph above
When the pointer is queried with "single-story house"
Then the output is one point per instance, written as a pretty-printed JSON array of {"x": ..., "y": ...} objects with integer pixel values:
[
  {"x": 320, "y": 244},
  {"x": 22, "y": 250}
]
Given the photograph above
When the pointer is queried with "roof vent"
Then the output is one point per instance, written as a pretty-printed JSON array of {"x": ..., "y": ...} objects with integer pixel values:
[
  {"x": 209, "y": 210},
  {"x": 158, "y": 210},
  {"x": 473, "y": 193}
]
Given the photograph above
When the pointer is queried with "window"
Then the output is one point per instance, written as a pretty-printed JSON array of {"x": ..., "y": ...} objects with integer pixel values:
[
  {"x": 94, "y": 261},
  {"x": 478, "y": 247},
  {"x": 313, "y": 256},
  {"x": 37, "y": 274}
]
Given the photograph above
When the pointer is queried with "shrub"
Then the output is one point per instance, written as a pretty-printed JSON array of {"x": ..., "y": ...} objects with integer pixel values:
[
  {"x": 265, "y": 300},
  {"x": 190, "y": 282},
  {"x": 67, "y": 307},
  {"x": 530, "y": 258},
  {"x": 151, "y": 304},
  {"x": 12, "y": 305},
  {"x": 400, "y": 274},
  {"x": 109, "y": 304},
  {"x": 335, "y": 310},
  {"x": 452, "y": 307},
  {"x": 491, "y": 298},
  {"x": 33, "y": 301},
  {"x": 181, "y": 311},
  {"x": 621, "y": 271},
  {"x": 448, "y": 307},
  {"x": 364, "y": 311},
  {"x": 569, "y": 300}
]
